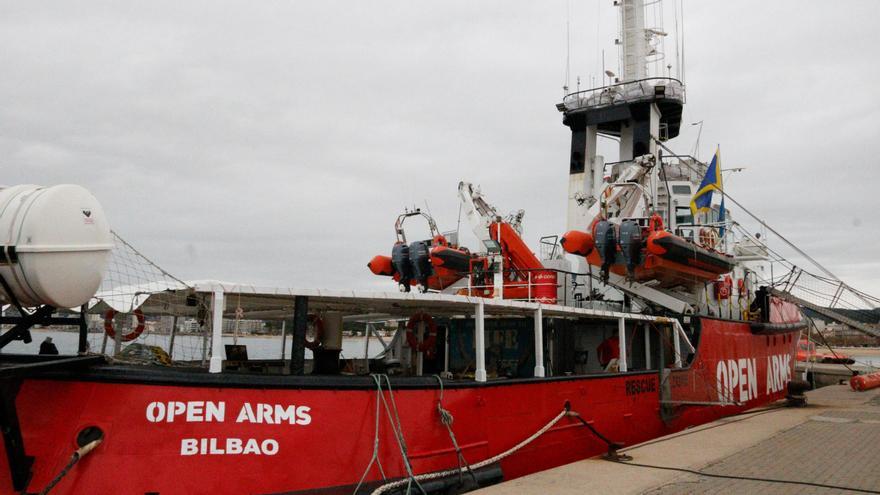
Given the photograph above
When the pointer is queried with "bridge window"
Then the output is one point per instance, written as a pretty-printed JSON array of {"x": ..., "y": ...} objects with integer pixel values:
[
  {"x": 683, "y": 215},
  {"x": 681, "y": 189}
]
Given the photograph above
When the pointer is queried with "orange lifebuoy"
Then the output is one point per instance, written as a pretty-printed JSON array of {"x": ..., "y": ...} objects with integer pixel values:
[
  {"x": 317, "y": 323},
  {"x": 429, "y": 341},
  {"x": 111, "y": 332},
  {"x": 723, "y": 287}
]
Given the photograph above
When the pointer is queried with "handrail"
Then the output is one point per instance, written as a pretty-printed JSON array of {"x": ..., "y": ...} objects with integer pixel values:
[
  {"x": 623, "y": 83},
  {"x": 617, "y": 93}
]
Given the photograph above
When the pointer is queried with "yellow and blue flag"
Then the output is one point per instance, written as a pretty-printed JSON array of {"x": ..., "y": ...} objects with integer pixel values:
[{"x": 702, "y": 200}]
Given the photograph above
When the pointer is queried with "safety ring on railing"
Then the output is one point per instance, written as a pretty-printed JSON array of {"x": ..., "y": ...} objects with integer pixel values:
[{"x": 136, "y": 331}]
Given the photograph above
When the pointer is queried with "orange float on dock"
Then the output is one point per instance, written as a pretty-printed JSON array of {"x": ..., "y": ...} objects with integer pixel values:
[{"x": 860, "y": 383}]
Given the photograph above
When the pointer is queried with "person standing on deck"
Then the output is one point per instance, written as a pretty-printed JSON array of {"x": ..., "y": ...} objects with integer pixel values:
[{"x": 47, "y": 347}]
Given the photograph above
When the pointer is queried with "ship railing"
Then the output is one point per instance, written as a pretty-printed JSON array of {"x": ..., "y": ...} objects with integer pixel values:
[
  {"x": 646, "y": 323},
  {"x": 692, "y": 231},
  {"x": 628, "y": 324},
  {"x": 649, "y": 88},
  {"x": 535, "y": 286}
]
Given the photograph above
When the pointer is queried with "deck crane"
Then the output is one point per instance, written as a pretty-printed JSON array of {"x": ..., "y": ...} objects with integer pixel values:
[{"x": 515, "y": 271}]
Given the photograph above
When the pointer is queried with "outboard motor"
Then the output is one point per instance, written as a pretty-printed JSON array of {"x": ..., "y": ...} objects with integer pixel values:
[
  {"x": 631, "y": 245},
  {"x": 606, "y": 243},
  {"x": 420, "y": 259},
  {"x": 400, "y": 259}
]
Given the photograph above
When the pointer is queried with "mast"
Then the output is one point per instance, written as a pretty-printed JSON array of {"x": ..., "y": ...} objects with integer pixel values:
[
  {"x": 634, "y": 110},
  {"x": 633, "y": 40}
]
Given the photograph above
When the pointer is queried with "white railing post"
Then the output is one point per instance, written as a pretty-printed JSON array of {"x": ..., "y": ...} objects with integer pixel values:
[
  {"x": 530, "y": 285},
  {"x": 539, "y": 342},
  {"x": 621, "y": 339},
  {"x": 217, "y": 306},
  {"x": 368, "y": 333},
  {"x": 498, "y": 278},
  {"x": 676, "y": 342},
  {"x": 647, "y": 345},
  {"x": 283, "y": 338},
  {"x": 480, "y": 342}
]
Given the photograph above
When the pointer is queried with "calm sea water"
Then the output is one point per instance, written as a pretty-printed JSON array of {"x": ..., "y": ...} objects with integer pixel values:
[
  {"x": 867, "y": 360},
  {"x": 186, "y": 347}
]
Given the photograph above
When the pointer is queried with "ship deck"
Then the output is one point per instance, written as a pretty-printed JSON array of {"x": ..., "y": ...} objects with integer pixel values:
[
  {"x": 830, "y": 442},
  {"x": 277, "y": 303}
]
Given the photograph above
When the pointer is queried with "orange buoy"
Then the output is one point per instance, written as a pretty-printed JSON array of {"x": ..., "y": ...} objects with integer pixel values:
[
  {"x": 577, "y": 242},
  {"x": 381, "y": 265},
  {"x": 860, "y": 383}
]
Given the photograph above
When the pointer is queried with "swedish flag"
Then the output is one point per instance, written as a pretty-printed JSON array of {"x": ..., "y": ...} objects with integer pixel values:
[{"x": 702, "y": 200}]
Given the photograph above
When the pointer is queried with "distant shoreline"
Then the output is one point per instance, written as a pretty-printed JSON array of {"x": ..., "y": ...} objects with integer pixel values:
[{"x": 856, "y": 351}]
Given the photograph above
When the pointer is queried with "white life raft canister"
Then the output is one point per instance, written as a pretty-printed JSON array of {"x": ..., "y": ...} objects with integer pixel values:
[{"x": 54, "y": 245}]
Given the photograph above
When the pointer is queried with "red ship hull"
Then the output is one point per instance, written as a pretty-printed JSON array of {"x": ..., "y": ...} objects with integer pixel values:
[{"x": 326, "y": 440}]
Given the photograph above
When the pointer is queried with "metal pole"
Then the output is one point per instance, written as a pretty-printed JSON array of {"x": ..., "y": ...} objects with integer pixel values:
[
  {"x": 480, "y": 342},
  {"x": 367, "y": 333},
  {"x": 446, "y": 349},
  {"x": 529, "y": 274},
  {"x": 809, "y": 366},
  {"x": 420, "y": 356},
  {"x": 298, "y": 338},
  {"x": 171, "y": 340},
  {"x": 539, "y": 342},
  {"x": 647, "y": 345},
  {"x": 621, "y": 340},
  {"x": 217, "y": 307},
  {"x": 117, "y": 341},
  {"x": 283, "y": 338},
  {"x": 205, "y": 339},
  {"x": 677, "y": 344},
  {"x": 83, "y": 330}
]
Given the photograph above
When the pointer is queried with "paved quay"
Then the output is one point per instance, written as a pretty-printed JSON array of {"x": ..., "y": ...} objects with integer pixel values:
[{"x": 835, "y": 440}]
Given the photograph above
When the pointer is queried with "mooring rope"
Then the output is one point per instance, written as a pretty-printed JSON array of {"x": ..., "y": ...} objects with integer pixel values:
[
  {"x": 446, "y": 420},
  {"x": 492, "y": 460},
  {"x": 397, "y": 428},
  {"x": 375, "y": 457},
  {"x": 79, "y": 454}
]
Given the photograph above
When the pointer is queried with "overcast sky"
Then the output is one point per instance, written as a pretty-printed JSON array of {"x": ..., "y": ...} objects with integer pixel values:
[{"x": 275, "y": 142}]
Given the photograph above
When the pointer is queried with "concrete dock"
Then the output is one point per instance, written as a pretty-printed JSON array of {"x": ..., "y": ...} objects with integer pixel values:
[{"x": 835, "y": 441}]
